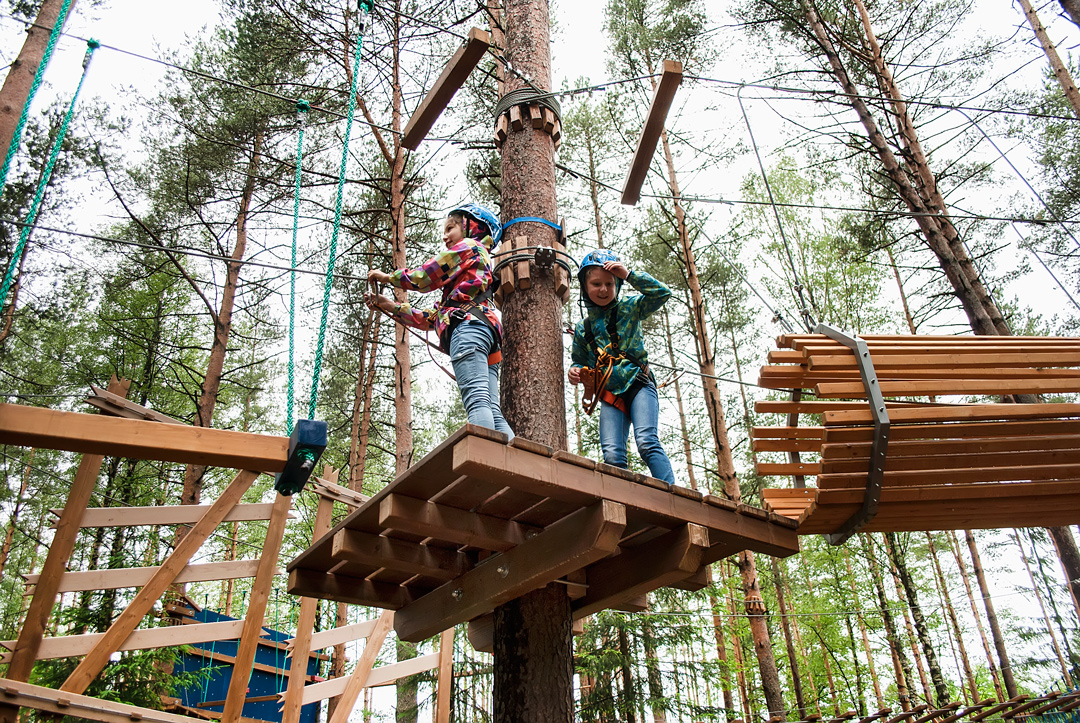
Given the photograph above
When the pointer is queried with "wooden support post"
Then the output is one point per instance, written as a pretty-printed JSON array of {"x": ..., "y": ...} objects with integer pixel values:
[
  {"x": 562, "y": 279},
  {"x": 45, "y": 591},
  {"x": 445, "y": 684},
  {"x": 453, "y": 77},
  {"x": 650, "y": 132},
  {"x": 523, "y": 279},
  {"x": 144, "y": 600},
  {"x": 359, "y": 677},
  {"x": 253, "y": 620},
  {"x": 304, "y": 626}
]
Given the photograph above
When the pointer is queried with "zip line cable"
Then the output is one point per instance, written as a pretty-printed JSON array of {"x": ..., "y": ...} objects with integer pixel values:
[
  {"x": 804, "y": 309},
  {"x": 46, "y": 176},
  {"x": 1035, "y": 253},
  {"x": 39, "y": 76}
]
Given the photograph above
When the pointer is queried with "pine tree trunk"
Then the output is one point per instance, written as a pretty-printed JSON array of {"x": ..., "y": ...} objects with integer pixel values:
[
  {"x": 785, "y": 623},
  {"x": 865, "y": 635},
  {"x": 1042, "y": 608},
  {"x": 969, "y": 675},
  {"x": 20, "y": 77},
  {"x": 222, "y": 318},
  {"x": 921, "y": 628},
  {"x": 740, "y": 663},
  {"x": 9, "y": 535},
  {"x": 656, "y": 683},
  {"x": 721, "y": 653},
  {"x": 533, "y": 678},
  {"x": 901, "y": 669},
  {"x": 1069, "y": 555},
  {"x": 683, "y": 429},
  {"x": 991, "y": 665},
  {"x": 991, "y": 617},
  {"x": 834, "y": 697},
  {"x": 1061, "y": 73},
  {"x": 361, "y": 413},
  {"x": 626, "y": 704},
  {"x": 1072, "y": 7}
]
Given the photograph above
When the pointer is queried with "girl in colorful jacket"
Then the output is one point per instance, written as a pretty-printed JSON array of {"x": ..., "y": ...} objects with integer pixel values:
[
  {"x": 466, "y": 321},
  {"x": 610, "y": 340}
]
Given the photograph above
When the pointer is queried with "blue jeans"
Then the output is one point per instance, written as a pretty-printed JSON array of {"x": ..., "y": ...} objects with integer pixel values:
[
  {"x": 477, "y": 381},
  {"x": 645, "y": 416}
]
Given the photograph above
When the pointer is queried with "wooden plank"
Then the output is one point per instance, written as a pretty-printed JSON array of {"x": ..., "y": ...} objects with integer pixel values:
[
  {"x": 119, "y": 406},
  {"x": 81, "y": 706},
  {"x": 905, "y": 448},
  {"x": 516, "y": 122},
  {"x": 437, "y": 562},
  {"x": 559, "y": 480},
  {"x": 570, "y": 544},
  {"x": 68, "y": 645},
  {"x": 787, "y": 468},
  {"x": 356, "y": 591},
  {"x": 1064, "y": 472},
  {"x": 144, "y": 600},
  {"x": 256, "y": 611},
  {"x": 788, "y": 432},
  {"x": 96, "y": 434},
  {"x": 383, "y": 675},
  {"x": 536, "y": 116},
  {"x": 956, "y": 431},
  {"x": 451, "y": 525},
  {"x": 461, "y": 64},
  {"x": 139, "y": 576},
  {"x": 928, "y": 359},
  {"x": 506, "y": 273},
  {"x": 343, "y": 634},
  {"x": 959, "y": 413},
  {"x": 336, "y": 492},
  {"x": 167, "y": 515},
  {"x": 502, "y": 130},
  {"x": 670, "y": 79},
  {"x": 358, "y": 679},
  {"x": 949, "y": 459},
  {"x": 637, "y": 571},
  {"x": 785, "y": 445},
  {"x": 838, "y": 390},
  {"x": 524, "y": 281}
]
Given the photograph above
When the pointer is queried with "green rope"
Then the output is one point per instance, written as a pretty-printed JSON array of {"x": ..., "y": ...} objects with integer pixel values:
[
  {"x": 366, "y": 6},
  {"x": 13, "y": 147},
  {"x": 46, "y": 176},
  {"x": 302, "y": 108}
]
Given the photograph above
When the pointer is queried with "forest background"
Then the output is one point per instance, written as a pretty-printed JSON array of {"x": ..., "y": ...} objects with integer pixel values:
[{"x": 163, "y": 247}]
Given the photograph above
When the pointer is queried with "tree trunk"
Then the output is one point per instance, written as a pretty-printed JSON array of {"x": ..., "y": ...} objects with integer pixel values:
[
  {"x": 204, "y": 408},
  {"x": 939, "y": 574},
  {"x": 923, "y": 631},
  {"x": 991, "y": 665},
  {"x": 683, "y": 429},
  {"x": 865, "y": 635},
  {"x": 721, "y": 654},
  {"x": 991, "y": 617},
  {"x": 901, "y": 669},
  {"x": 793, "y": 659},
  {"x": 626, "y": 703},
  {"x": 9, "y": 535},
  {"x": 361, "y": 413},
  {"x": 1065, "y": 544},
  {"x": 1072, "y": 7},
  {"x": 533, "y": 677},
  {"x": 1042, "y": 608},
  {"x": 656, "y": 683},
  {"x": 825, "y": 656},
  {"x": 740, "y": 663},
  {"x": 1061, "y": 73},
  {"x": 20, "y": 76}
]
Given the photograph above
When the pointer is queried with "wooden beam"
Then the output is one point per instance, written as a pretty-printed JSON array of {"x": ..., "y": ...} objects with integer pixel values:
[
  {"x": 917, "y": 387},
  {"x": 573, "y": 542},
  {"x": 445, "y": 680},
  {"x": 168, "y": 515},
  {"x": 139, "y": 576},
  {"x": 428, "y": 519},
  {"x": 967, "y": 412},
  {"x": 636, "y": 571},
  {"x": 69, "y": 645},
  {"x": 342, "y": 588},
  {"x": 670, "y": 80},
  {"x": 453, "y": 77},
  {"x": 358, "y": 680},
  {"x": 383, "y": 675},
  {"x": 97, "y": 434},
  {"x": 67, "y": 529},
  {"x": 337, "y": 493},
  {"x": 144, "y": 600},
  {"x": 337, "y": 636},
  {"x": 119, "y": 406},
  {"x": 400, "y": 555},
  {"x": 256, "y": 611},
  {"x": 81, "y": 706}
]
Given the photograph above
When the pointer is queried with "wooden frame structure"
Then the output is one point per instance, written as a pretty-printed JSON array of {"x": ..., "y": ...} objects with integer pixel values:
[
  {"x": 944, "y": 466},
  {"x": 479, "y": 522},
  {"x": 156, "y": 437}
]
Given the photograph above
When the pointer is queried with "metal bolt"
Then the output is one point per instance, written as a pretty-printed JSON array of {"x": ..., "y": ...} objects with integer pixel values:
[
  {"x": 503, "y": 570},
  {"x": 458, "y": 594}
]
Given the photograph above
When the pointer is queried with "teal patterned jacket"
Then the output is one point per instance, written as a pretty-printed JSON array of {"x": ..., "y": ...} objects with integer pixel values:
[{"x": 629, "y": 312}]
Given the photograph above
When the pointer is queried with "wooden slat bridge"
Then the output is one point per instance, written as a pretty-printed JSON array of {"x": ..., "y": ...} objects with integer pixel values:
[
  {"x": 909, "y": 464},
  {"x": 1020, "y": 708},
  {"x": 479, "y": 522}
]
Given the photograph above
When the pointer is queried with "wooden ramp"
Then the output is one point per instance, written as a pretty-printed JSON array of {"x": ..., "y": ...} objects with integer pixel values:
[
  {"x": 478, "y": 523},
  {"x": 937, "y": 466}
]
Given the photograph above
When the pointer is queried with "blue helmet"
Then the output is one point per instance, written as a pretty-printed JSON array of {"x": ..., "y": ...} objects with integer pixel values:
[
  {"x": 597, "y": 258},
  {"x": 479, "y": 213}
]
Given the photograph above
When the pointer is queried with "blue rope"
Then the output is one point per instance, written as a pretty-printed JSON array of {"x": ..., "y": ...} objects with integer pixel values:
[
  {"x": 366, "y": 6},
  {"x": 46, "y": 176},
  {"x": 533, "y": 219},
  {"x": 302, "y": 108},
  {"x": 13, "y": 147}
]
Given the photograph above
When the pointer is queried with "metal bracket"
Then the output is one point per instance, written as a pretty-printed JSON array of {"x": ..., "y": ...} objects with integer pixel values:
[
  {"x": 878, "y": 450},
  {"x": 544, "y": 258}
]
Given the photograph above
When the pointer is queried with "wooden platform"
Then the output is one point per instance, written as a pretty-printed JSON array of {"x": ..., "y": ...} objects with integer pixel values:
[
  {"x": 947, "y": 466},
  {"x": 478, "y": 523}
]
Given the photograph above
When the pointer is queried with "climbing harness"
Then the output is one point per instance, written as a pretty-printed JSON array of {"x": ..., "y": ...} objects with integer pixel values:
[
  {"x": 46, "y": 176},
  {"x": 54, "y": 35}
]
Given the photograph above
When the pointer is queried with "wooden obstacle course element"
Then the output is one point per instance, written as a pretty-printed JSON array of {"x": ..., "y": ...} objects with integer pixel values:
[
  {"x": 500, "y": 511},
  {"x": 452, "y": 78},
  {"x": 670, "y": 79},
  {"x": 947, "y": 466}
]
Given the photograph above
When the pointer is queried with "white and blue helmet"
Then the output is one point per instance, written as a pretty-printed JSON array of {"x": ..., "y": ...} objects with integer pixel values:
[{"x": 479, "y": 213}]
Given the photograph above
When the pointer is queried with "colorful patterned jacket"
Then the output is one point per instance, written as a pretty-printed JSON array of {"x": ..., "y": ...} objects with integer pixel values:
[
  {"x": 463, "y": 272},
  {"x": 628, "y": 312}
]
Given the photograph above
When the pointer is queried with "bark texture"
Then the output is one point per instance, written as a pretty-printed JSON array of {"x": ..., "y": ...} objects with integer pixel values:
[{"x": 991, "y": 617}]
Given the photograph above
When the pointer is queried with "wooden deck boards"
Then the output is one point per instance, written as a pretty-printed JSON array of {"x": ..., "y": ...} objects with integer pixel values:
[{"x": 478, "y": 522}]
